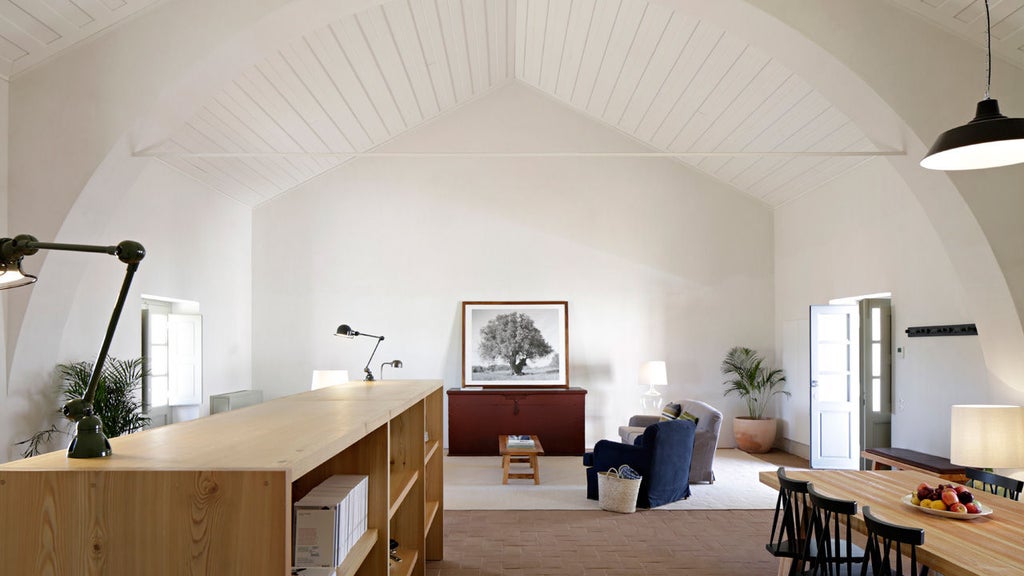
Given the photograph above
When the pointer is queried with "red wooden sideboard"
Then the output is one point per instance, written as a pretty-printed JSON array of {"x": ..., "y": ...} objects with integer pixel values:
[{"x": 477, "y": 417}]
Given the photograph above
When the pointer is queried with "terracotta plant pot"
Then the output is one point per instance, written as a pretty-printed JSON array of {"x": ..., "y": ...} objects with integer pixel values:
[{"x": 755, "y": 436}]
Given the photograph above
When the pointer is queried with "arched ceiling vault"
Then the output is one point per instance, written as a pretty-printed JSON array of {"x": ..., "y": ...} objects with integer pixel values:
[
  {"x": 341, "y": 86},
  {"x": 319, "y": 81},
  {"x": 32, "y": 32},
  {"x": 684, "y": 87}
]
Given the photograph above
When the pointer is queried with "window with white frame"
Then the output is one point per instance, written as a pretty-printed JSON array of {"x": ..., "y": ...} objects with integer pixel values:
[{"x": 172, "y": 350}]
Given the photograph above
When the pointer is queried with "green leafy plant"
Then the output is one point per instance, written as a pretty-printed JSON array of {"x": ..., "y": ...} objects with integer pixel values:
[
  {"x": 115, "y": 403},
  {"x": 33, "y": 445},
  {"x": 752, "y": 380}
]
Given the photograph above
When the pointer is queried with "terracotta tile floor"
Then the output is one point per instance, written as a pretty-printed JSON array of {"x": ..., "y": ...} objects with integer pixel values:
[{"x": 598, "y": 543}]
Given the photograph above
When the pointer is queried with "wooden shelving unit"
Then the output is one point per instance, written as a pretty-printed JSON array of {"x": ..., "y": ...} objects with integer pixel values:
[
  {"x": 433, "y": 472},
  {"x": 215, "y": 495},
  {"x": 431, "y": 446},
  {"x": 358, "y": 554},
  {"x": 401, "y": 485},
  {"x": 407, "y": 566}
]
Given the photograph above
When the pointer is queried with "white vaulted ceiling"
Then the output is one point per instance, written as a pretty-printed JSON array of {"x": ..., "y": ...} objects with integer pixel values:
[
  {"x": 685, "y": 88},
  {"x": 967, "y": 19},
  {"x": 33, "y": 30},
  {"x": 344, "y": 87}
]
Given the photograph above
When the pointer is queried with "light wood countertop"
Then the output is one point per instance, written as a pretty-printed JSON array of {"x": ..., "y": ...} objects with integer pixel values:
[{"x": 293, "y": 433}]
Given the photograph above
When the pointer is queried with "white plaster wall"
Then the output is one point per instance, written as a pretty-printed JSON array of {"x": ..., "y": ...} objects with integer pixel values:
[
  {"x": 73, "y": 179},
  {"x": 865, "y": 233},
  {"x": 198, "y": 246},
  {"x": 656, "y": 261},
  {"x": 70, "y": 112}
]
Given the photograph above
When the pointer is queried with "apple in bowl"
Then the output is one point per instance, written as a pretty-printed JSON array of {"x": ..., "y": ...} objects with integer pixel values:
[{"x": 947, "y": 497}]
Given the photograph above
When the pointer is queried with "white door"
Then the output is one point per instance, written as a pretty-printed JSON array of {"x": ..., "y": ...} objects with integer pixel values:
[{"x": 835, "y": 387}]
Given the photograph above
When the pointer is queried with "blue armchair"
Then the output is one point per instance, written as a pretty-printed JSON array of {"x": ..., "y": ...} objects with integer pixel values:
[
  {"x": 662, "y": 457},
  {"x": 705, "y": 441}
]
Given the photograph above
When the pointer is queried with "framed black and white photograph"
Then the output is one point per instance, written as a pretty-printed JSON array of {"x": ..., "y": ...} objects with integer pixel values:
[{"x": 515, "y": 344}]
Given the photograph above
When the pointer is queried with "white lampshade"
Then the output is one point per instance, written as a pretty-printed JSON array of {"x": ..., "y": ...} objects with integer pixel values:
[
  {"x": 325, "y": 378},
  {"x": 11, "y": 276},
  {"x": 984, "y": 436},
  {"x": 653, "y": 373}
]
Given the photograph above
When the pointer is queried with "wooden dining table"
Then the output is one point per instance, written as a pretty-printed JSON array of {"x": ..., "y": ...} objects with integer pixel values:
[{"x": 990, "y": 545}]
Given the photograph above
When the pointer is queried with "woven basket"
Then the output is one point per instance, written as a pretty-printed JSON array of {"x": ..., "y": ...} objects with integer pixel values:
[{"x": 617, "y": 494}]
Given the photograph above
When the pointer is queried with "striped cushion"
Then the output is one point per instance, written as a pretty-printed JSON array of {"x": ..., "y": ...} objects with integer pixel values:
[
  {"x": 688, "y": 416},
  {"x": 670, "y": 412}
]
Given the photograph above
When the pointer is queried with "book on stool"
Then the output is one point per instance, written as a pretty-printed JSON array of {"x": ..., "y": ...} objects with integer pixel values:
[{"x": 519, "y": 441}]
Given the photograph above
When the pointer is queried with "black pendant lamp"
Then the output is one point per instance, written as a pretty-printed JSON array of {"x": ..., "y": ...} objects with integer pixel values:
[{"x": 988, "y": 141}]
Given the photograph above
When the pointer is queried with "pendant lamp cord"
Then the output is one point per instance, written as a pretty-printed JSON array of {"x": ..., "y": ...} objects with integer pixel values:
[{"x": 988, "y": 30}]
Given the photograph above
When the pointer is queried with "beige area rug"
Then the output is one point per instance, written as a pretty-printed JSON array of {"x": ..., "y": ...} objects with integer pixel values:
[{"x": 474, "y": 483}]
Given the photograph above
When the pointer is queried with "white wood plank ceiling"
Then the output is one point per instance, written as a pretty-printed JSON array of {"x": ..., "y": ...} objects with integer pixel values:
[
  {"x": 344, "y": 87},
  {"x": 681, "y": 86},
  {"x": 967, "y": 19},
  {"x": 33, "y": 30}
]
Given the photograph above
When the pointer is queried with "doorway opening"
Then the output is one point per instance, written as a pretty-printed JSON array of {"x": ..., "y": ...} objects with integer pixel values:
[
  {"x": 850, "y": 379},
  {"x": 172, "y": 356}
]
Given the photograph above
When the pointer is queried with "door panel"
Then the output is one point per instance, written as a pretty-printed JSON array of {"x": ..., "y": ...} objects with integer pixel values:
[
  {"x": 185, "y": 359},
  {"x": 876, "y": 372},
  {"x": 835, "y": 387},
  {"x": 836, "y": 428}
]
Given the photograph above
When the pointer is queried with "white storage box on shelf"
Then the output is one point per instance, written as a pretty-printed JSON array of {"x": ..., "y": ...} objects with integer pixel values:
[{"x": 329, "y": 520}]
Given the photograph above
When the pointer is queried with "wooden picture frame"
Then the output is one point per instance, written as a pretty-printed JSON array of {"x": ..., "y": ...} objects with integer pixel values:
[{"x": 515, "y": 344}]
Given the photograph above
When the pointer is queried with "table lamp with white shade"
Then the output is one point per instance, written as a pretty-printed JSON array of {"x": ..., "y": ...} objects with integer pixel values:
[
  {"x": 653, "y": 374},
  {"x": 987, "y": 436}
]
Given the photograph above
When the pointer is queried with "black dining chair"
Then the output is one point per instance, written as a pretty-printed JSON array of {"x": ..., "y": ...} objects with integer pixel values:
[
  {"x": 837, "y": 555},
  {"x": 791, "y": 536},
  {"x": 991, "y": 482},
  {"x": 880, "y": 559}
]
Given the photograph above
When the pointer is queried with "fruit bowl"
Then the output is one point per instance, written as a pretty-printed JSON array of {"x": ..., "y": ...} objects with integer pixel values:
[{"x": 984, "y": 510}]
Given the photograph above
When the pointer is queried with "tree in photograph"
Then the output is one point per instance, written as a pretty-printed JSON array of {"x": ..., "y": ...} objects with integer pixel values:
[{"x": 513, "y": 338}]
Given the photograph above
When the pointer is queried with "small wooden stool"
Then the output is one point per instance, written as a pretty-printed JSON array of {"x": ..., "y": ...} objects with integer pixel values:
[{"x": 520, "y": 456}]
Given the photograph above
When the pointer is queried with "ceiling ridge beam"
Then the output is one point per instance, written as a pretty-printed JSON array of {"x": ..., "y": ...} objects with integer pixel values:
[{"x": 523, "y": 154}]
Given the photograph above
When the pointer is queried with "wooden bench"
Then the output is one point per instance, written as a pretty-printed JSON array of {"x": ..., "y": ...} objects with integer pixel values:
[{"x": 904, "y": 459}]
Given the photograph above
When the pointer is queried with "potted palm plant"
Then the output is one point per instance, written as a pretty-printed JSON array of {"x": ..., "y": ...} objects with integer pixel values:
[
  {"x": 116, "y": 402},
  {"x": 751, "y": 379}
]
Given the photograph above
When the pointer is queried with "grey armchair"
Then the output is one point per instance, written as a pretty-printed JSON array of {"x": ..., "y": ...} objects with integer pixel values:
[{"x": 705, "y": 439}]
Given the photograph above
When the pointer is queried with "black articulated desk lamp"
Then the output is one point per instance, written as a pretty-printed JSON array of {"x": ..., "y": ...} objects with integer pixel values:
[
  {"x": 393, "y": 364},
  {"x": 89, "y": 442},
  {"x": 347, "y": 331}
]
